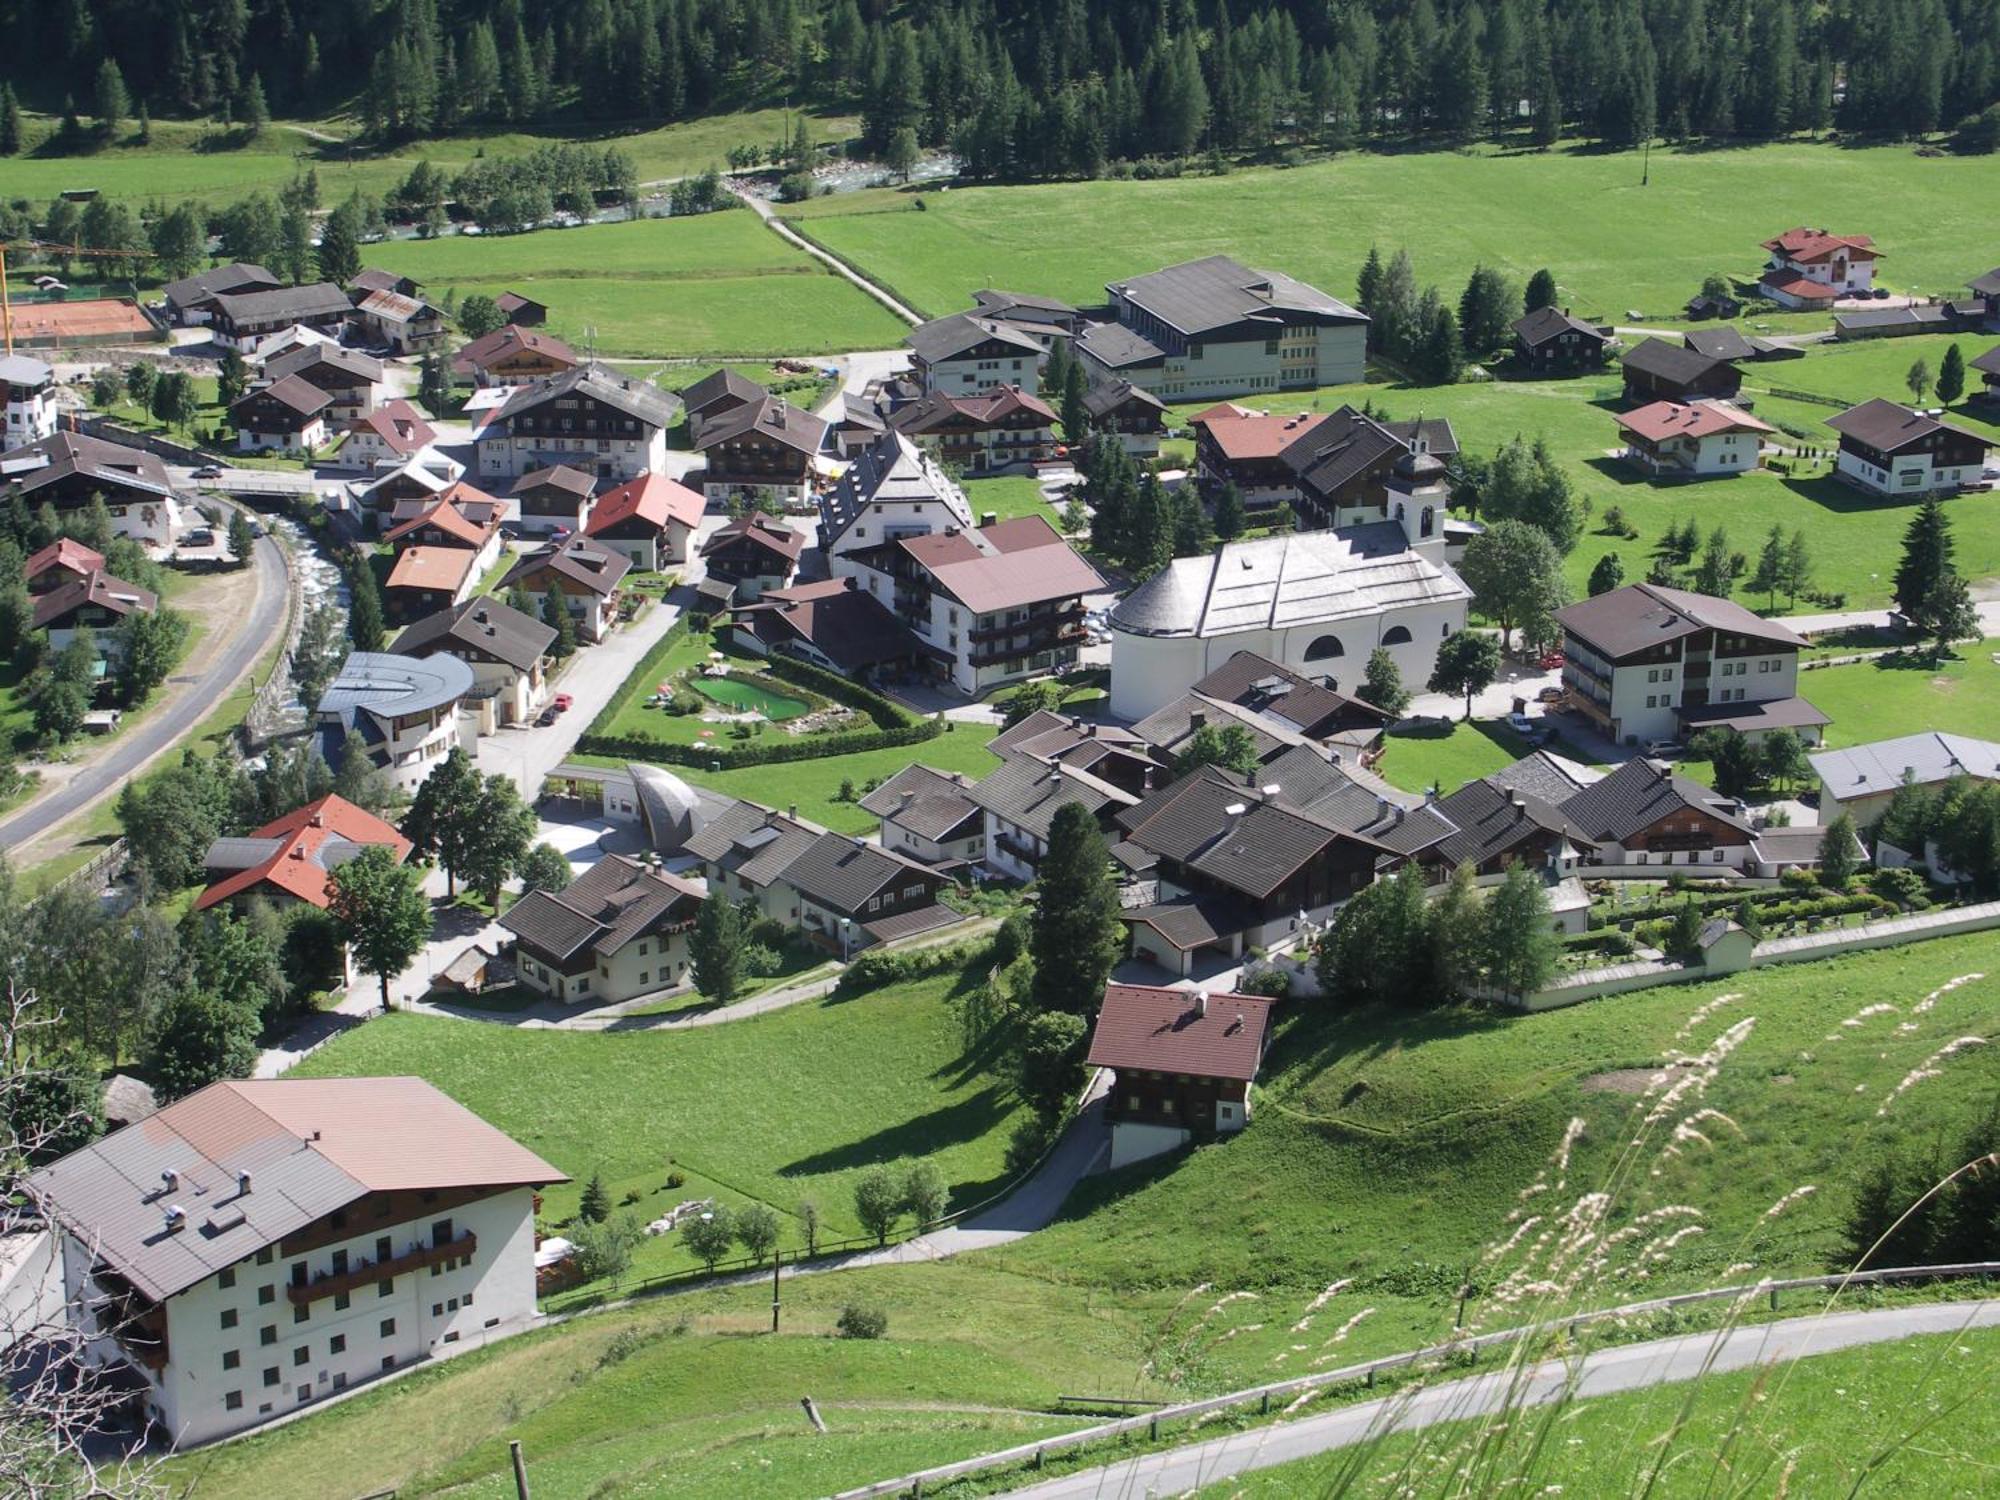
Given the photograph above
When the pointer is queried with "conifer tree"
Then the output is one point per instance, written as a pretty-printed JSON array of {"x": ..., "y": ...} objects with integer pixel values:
[{"x": 1075, "y": 934}]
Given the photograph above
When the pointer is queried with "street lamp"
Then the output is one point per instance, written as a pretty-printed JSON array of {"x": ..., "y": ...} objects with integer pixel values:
[{"x": 845, "y": 923}]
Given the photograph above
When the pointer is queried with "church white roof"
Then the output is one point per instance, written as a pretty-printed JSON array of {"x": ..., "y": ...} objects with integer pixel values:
[{"x": 1275, "y": 583}]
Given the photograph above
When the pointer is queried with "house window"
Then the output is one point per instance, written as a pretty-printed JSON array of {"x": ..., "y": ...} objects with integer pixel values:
[
  {"x": 229, "y": 1317},
  {"x": 232, "y": 1401},
  {"x": 264, "y": 1256},
  {"x": 231, "y": 1358},
  {"x": 384, "y": 1287},
  {"x": 267, "y": 1294},
  {"x": 340, "y": 1300},
  {"x": 226, "y": 1279},
  {"x": 268, "y": 1334},
  {"x": 302, "y": 1312},
  {"x": 271, "y": 1375},
  {"x": 302, "y": 1355},
  {"x": 388, "y": 1328},
  {"x": 337, "y": 1344}
]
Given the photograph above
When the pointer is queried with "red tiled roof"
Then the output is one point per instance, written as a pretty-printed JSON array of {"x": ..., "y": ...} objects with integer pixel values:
[
  {"x": 1692, "y": 419},
  {"x": 443, "y": 568},
  {"x": 448, "y": 516},
  {"x": 501, "y": 342},
  {"x": 1171, "y": 1031},
  {"x": 1249, "y": 435},
  {"x": 95, "y": 587},
  {"x": 761, "y": 529},
  {"x": 63, "y": 552},
  {"x": 1799, "y": 286},
  {"x": 1803, "y": 244},
  {"x": 297, "y": 867},
  {"x": 650, "y": 497}
]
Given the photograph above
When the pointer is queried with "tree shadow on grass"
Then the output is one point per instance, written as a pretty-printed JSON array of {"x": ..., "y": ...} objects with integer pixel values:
[
  {"x": 1831, "y": 494},
  {"x": 952, "y": 1125}
]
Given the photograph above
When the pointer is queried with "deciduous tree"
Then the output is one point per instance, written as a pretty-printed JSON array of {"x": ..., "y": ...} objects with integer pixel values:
[
  {"x": 379, "y": 910},
  {"x": 1467, "y": 663}
]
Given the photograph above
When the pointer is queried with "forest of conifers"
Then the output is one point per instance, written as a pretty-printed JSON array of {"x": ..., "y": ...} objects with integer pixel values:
[{"x": 1040, "y": 87}]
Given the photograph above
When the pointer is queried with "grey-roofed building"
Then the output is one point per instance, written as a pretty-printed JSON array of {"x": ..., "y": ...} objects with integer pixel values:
[
  {"x": 752, "y": 554},
  {"x": 1498, "y": 826},
  {"x": 1215, "y": 327},
  {"x": 171, "y": 1231},
  {"x": 584, "y": 573},
  {"x": 1130, "y": 413},
  {"x": 892, "y": 489},
  {"x": 71, "y": 469},
  {"x": 191, "y": 300},
  {"x": 1549, "y": 340},
  {"x": 1723, "y": 341},
  {"x": 1047, "y": 317},
  {"x": 590, "y": 417},
  {"x": 930, "y": 816},
  {"x": 1644, "y": 814},
  {"x": 354, "y": 382},
  {"x": 507, "y": 651},
  {"x": 1646, "y": 663},
  {"x": 965, "y": 352},
  {"x": 1316, "y": 602},
  {"x": 1890, "y": 450},
  {"x": 400, "y": 712},
  {"x": 831, "y": 624},
  {"x": 616, "y": 932},
  {"x": 27, "y": 399},
  {"x": 241, "y": 320},
  {"x": 1862, "y": 779},
  {"x": 1020, "y": 800},
  {"x": 859, "y": 424},
  {"x": 669, "y": 809},
  {"x": 769, "y": 453},
  {"x": 845, "y": 887},
  {"x": 1655, "y": 370},
  {"x": 744, "y": 851},
  {"x": 1543, "y": 775},
  {"x": 1349, "y": 468},
  {"x": 716, "y": 395}
]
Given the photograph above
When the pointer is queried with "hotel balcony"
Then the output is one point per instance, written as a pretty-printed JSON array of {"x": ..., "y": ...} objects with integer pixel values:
[{"x": 364, "y": 1273}]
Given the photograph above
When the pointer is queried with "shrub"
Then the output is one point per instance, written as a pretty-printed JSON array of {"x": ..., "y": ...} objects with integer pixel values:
[
  {"x": 1798, "y": 880},
  {"x": 676, "y": 1180},
  {"x": 878, "y": 968},
  {"x": 1025, "y": 1146},
  {"x": 759, "y": 961},
  {"x": 1905, "y": 887},
  {"x": 858, "y": 1322},
  {"x": 1275, "y": 983}
]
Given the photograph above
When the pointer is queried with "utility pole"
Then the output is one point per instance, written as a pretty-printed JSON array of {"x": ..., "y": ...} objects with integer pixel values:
[
  {"x": 1646, "y": 164},
  {"x": 777, "y": 1260},
  {"x": 520, "y": 1470}
]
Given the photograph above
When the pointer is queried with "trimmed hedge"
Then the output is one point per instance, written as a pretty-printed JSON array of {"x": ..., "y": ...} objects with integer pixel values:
[
  {"x": 648, "y": 668},
  {"x": 876, "y": 968},
  {"x": 762, "y": 752}
]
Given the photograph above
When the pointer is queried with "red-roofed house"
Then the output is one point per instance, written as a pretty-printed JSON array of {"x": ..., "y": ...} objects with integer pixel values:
[
  {"x": 996, "y": 430},
  {"x": 426, "y": 579},
  {"x": 1235, "y": 445},
  {"x": 1182, "y": 1063},
  {"x": 650, "y": 519},
  {"x": 385, "y": 437},
  {"x": 65, "y": 560},
  {"x": 998, "y": 604},
  {"x": 293, "y": 858},
  {"x": 1814, "y": 268},
  {"x": 1693, "y": 439},
  {"x": 512, "y": 356}
]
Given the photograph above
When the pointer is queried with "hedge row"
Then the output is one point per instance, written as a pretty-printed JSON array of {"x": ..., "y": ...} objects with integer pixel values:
[
  {"x": 877, "y": 968},
  {"x": 886, "y": 713},
  {"x": 759, "y": 752},
  {"x": 1708, "y": 900}
]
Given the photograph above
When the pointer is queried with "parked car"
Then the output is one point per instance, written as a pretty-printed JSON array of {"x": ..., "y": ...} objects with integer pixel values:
[
  {"x": 548, "y": 716},
  {"x": 1520, "y": 723},
  {"x": 1551, "y": 661},
  {"x": 200, "y": 537},
  {"x": 563, "y": 702},
  {"x": 1663, "y": 749},
  {"x": 1549, "y": 695}
]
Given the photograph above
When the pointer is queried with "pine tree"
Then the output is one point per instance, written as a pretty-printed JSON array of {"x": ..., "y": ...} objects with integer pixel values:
[
  {"x": 1149, "y": 542},
  {"x": 1951, "y": 376},
  {"x": 1485, "y": 311},
  {"x": 1076, "y": 936},
  {"x": 1927, "y": 559},
  {"x": 256, "y": 113},
  {"x": 716, "y": 946},
  {"x": 556, "y": 615},
  {"x": 1712, "y": 574},
  {"x": 10, "y": 121},
  {"x": 112, "y": 102},
  {"x": 1194, "y": 535},
  {"x": 1541, "y": 291},
  {"x": 364, "y": 608},
  {"x": 595, "y": 1205},
  {"x": 1231, "y": 520},
  {"x": 1382, "y": 684},
  {"x": 1440, "y": 357},
  {"x": 1075, "y": 416},
  {"x": 1606, "y": 575},
  {"x": 434, "y": 386},
  {"x": 340, "y": 244},
  {"x": 1521, "y": 946},
  {"x": 1770, "y": 574},
  {"x": 1368, "y": 290}
]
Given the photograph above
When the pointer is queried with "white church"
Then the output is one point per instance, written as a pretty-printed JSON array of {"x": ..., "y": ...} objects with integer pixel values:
[{"x": 1319, "y": 602}]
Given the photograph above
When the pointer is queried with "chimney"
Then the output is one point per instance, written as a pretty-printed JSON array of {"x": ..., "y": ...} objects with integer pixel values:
[
  {"x": 170, "y": 1178},
  {"x": 175, "y": 1218},
  {"x": 908, "y": 796},
  {"x": 1198, "y": 719},
  {"x": 1381, "y": 808},
  {"x": 792, "y": 811},
  {"x": 1516, "y": 801},
  {"x": 1201, "y": 1003},
  {"x": 1270, "y": 789},
  {"x": 989, "y": 518},
  {"x": 243, "y": 1181}
]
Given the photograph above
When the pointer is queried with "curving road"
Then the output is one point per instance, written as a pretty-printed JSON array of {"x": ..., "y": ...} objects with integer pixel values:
[
  {"x": 163, "y": 728},
  {"x": 1606, "y": 1372}
]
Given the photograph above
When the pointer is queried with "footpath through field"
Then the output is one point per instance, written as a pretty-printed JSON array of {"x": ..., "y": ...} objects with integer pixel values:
[
  {"x": 839, "y": 267},
  {"x": 1605, "y": 1372}
]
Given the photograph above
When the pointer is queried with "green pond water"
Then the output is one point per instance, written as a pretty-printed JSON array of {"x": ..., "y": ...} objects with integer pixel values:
[{"x": 747, "y": 697}]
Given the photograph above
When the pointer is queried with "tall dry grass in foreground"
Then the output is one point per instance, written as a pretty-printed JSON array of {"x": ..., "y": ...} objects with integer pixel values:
[{"x": 1568, "y": 1247}]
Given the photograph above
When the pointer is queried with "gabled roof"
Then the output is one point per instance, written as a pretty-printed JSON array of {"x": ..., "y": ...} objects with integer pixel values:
[
  {"x": 1674, "y": 362},
  {"x": 95, "y": 587},
  {"x": 1804, "y": 244},
  {"x": 1753, "y": 718},
  {"x": 1545, "y": 323},
  {"x": 295, "y": 393},
  {"x": 1925, "y": 759},
  {"x": 485, "y": 625},
  {"x": 1252, "y": 849},
  {"x": 1663, "y": 420},
  {"x": 1494, "y": 820},
  {"x": 291, "y": 304},
  {"x": 1541, "y": 775},
  {"x": 1642, "y": 615},
  {"x": 74, "y": 454},
  {"x": 66, "y": 553},
  {"x": 394, "y": 307},
  {"x": 1890, "y": 428},
  {"x": 326, "y": 366},
  {"x": 1792, "y": 284},
  {"x": 237, "y": 275},
  {"x": 305, "y": 847},
  {"x": 988, "y": 408},
  {"x": 892, "y": 470},
  {"x": 614, "y": 902},
  {"x": 1350, "y": 444},
  {"x": 1989, "y": 362},
  {"x": 723, "y": 385},
  {"x": 1035, "y": 565},
  {"x": 1140, "y": 1028},
  {"x": 1719, "y": 342},
  {"x": 930, "y": 804},
  {"x": 1028, "y": 792},
  {"x": 375, "y": 279},
  {"x": 1107, "y": 396},
  {"x": 309, "y": 1145},
  {"x": 1987, "y": 285},
  {"x": 759, "y": 530},
  {"x": 1639, "y": 794},
  {"x": 444, "y": 569},
  {"x": 771, "y": 420},
  {"x": 650, "y": 499},
  {"x": 577, "y": 559},
  {"x": 1270, "y": 689},
  {"x": 513, "y": 302},
  {"x": 1117, "y": 347},
  {"x": 450, "y": 516},
  {"x": 638, "y": 399},
  {"x": 950, "y": 336},
  {"x": 842, "y": 872},
  {"x": 555, "y": 477},
  {"x": 1299, "y": 578},
  {"x": 753, "y": 842},
  {"x": 489, "y": 349},
  {"x": 848, "y": 626},
  {"x": 25, "y": 371},
  {"x": 1242, "y": 435},
  {"x": 1219, "y": 292},
  {"x": 1023, "y": 307},
  {"x": 400, "y": 426}
]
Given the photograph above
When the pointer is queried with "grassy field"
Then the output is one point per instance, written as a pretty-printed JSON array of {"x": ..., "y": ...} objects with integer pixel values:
[
  {"x": 1816, "y": 1422},
  {"x": 1417, "y": 762},
  {"x": 1010, "y": 496},
  {"x": 1616, "y": 248},
  {"x": 1388, "y": 1147},
  {"x": 202, "y": 162},
  {"x": 719, "y": 284},
  {"x": 779, "y": 1109},
  {"x": 1895, "y": 696}
]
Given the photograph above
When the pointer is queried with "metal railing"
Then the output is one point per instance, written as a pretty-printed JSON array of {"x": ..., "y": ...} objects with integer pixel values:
[{"x": 1033, "y": 1453}]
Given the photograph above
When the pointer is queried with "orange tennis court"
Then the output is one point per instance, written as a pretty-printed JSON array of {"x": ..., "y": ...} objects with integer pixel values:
[{"x": 99, "y": 320}]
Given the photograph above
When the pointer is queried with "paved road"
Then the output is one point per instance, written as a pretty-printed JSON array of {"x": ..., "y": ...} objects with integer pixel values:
[
  {"x": 1608, "y": 1371},
  {"x": 784, "y": 231},
  {"x": 162, "y": 728}
]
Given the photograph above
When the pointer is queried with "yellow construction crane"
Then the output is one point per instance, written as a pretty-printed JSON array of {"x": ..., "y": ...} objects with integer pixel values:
[{"x": 46, "y": 247}]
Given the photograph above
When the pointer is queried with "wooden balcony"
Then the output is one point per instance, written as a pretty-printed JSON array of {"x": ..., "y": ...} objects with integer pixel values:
[{"x": 364, "y": 1273}]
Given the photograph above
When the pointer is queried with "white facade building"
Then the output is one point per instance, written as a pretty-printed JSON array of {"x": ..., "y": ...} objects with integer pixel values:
[
  {"x": 892, "y": 490},
  {"x": 401, "y": 712},
  {"x": 1318, "y": 602},
  {"x": 29, "y": 387},
  {"x": 261, "y": 1245}
]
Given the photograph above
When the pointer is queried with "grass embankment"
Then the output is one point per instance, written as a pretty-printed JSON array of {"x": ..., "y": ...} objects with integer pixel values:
[
  {"x": 214, "y": 166},
  {"x": 779, "y": 1109},
  {"x": 1617, "y": 248},
  {"x": 1809, "y": 1427},
  {"x": 1387, "y": 1147},
  {"x": 720, "y": 284}
]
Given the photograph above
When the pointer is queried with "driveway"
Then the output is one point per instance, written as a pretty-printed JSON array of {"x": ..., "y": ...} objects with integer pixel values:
[
  {"x": 166, "y": 724},
  {"x": 1603, "y": 1373}
]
